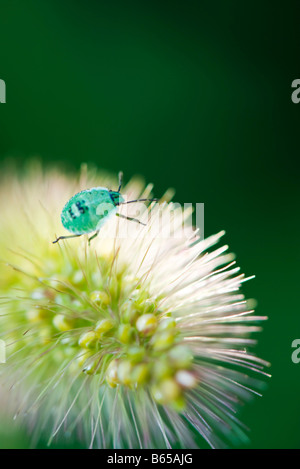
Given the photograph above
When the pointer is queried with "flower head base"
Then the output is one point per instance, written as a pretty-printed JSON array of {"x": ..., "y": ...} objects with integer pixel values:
[
  {"x": 107, "y": 323},
  {"x": 132, "y": 342}
]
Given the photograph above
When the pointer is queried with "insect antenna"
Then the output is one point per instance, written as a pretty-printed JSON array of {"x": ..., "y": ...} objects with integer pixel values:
[
  {"x": 139, "y": 200},
  {"x": 120, "y": 180}
]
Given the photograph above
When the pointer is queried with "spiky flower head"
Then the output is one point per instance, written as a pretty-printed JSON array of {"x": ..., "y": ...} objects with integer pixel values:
[{"x": 140, "y": 341}]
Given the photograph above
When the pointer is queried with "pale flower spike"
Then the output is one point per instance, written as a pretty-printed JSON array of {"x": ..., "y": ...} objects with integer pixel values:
[{"x": 132, "y": 342}]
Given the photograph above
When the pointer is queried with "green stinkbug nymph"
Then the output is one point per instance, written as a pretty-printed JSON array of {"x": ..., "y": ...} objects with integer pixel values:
[{"x": 88, "y": 210}]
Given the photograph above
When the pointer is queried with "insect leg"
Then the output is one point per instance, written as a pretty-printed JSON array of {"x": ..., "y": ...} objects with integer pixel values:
[
  {"x": 130, "y": 219},
  {"x": 92, "y": 237},
  {"x": 66, "y": 237}
]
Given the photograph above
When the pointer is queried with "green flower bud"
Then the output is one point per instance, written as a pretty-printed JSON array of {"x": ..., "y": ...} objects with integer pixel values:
[
  {"x": 166, "y": 323},
  {"x": 180, "y": 356},
  {"x": 62, "y": 323},
  {"x": 136, "y": 354},
  {"x": 100, "y": 297},
  {"x": 166, "y": 391},
  {"x": 88, "y": 339},
  {"x": 146, "y": 324},
  {"x": 124, "y": 372},
  {"x": 112, "y": 374},
  {"x": 140, "y": 373},
  {"x": 103, "y": 326},
  {"x": 163, "y": 340},
  {"x": 125, "y": 333}
]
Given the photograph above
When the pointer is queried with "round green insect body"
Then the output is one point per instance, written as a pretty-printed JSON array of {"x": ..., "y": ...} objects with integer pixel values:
[{"x": 88, "y": 210}]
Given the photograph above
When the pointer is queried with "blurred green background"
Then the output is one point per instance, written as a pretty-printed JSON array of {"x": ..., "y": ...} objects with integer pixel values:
[{"x": 195, "y": 95}]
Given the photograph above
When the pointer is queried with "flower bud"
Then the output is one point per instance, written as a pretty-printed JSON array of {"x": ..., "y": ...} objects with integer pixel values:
[
  {"x": 146, "y": 324},
  {"x": 62, "y": 323},
  {"x": 88, "y": 339}
]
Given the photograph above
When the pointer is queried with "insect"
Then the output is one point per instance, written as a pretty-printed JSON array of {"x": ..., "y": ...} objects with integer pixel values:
[{"x": 88, "y": 210}]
